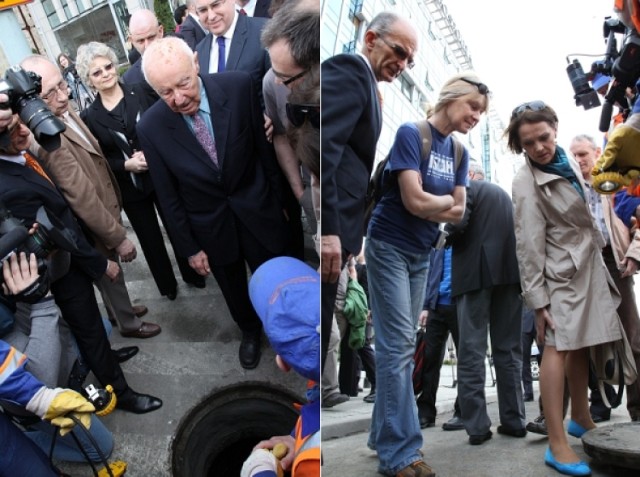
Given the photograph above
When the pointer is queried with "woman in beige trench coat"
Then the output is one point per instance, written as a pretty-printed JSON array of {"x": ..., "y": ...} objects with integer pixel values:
[{"x": 564, "y": 278}]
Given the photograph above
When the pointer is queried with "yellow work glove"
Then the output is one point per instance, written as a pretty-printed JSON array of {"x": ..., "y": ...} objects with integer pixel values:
[
  {"x": 261, "y": 460},
  {"x": 55, "y": 405}
]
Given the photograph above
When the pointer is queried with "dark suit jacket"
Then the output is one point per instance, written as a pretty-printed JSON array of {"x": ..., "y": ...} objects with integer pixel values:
[
  {"x": 192, "y": 32},
  {"x": 203, "y": 205},
  {"x": 23, "y": 191},
  {"x": 135, "y": 78},
  {"x": 246, "y": 53},
  {"x": 105, "y": 128},
  {"x": 484, "y": 243},
  {"x": 262, "y": 9},
  {"x": 351, "y": 125}
]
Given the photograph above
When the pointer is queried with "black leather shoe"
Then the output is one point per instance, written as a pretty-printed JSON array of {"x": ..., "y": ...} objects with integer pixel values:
[
  {"x": 137, "y": 403},
  {"x": 249, "y": 352},
  {"x": 538, "y": 426},
  {"x": 371, "y": 397},
  {"x": 507, "y": 431},
  {"x": 172, "y": 295},
  {"x": 479, "y": 439},
  {"x": 126, "y": 353},
  {"x": 599, "y": 418},
  {"x": 425, "y": 422},
  {"x": 453, "y": 424}
]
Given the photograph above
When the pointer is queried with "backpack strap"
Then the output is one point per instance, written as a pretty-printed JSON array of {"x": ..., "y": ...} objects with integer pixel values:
[{"x": 425, "y": 135}]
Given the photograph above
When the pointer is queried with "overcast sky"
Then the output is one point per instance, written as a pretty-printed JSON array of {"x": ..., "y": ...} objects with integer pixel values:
[{"x": 519, "y": 49}]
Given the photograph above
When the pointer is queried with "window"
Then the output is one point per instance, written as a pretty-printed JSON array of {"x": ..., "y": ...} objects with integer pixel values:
[
  {"x": 349, "y": 47},
  {"x": 65, "y": 7},
  {"x": 406, "y": 87},
  {"x": 430, "y": 32},
  {"x": 50, "y": 12},
  {"x": 427, "y": 82}
]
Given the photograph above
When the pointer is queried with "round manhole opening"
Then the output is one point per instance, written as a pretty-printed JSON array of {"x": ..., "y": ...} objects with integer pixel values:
[{"x": 216, "y": 437}]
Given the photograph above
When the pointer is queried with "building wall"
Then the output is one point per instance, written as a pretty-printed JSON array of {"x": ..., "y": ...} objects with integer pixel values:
[{"x": 441, "y": 53}]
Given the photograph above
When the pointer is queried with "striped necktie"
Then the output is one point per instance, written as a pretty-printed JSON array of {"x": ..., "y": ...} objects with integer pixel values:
[{"x": 32, "y": 163}]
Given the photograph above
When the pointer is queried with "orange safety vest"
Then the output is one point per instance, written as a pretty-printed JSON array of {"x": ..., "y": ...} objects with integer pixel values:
[
  {"x": 307, "y": 450},
  {"x": 619, "y": 5}
]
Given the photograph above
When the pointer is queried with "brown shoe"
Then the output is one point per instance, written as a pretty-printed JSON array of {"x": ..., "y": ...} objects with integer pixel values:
[
  {"x": 147, "y": 330},
  {"x": 417, "y": 469},
  {"x": 139, "y": 310}
]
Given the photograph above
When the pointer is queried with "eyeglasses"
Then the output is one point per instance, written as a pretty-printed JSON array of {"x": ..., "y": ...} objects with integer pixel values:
[
  {"x": 400, "y": 52},
  {"x": 61, "y": 86},
  {"x": 100, "y": 71},
  {"x": 482, "y": 88},
  {"x": 531, "y": 106},
  {"x": 287, "y": 82},
  {"x": 298, "y": 113}
]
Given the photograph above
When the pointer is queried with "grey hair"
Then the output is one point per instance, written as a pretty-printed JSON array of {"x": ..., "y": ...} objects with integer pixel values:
[
  {"x": 383, "y": 22},
  {"x": 300, "y": 29},
  {"x": 161, "y": 49},
  {"x": 585, "y": 138},
  {"x": 89, "y": 52},
  {"x": 455, "y": 87},
  {"x": 476, "y": 168}
]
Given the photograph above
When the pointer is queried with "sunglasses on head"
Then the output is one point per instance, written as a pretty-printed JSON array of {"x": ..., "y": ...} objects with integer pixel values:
[
  {"x": 298, "y": 113},
  {"x": 482, "y": 88},
  {"x": 530, "y": 106}
]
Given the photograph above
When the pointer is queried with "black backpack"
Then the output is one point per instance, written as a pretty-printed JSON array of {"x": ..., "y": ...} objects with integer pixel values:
[{"x": 380, "y": 183}]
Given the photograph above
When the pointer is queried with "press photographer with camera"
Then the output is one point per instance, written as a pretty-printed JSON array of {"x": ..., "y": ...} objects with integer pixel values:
[
  {"x": 78, "y": 90},
  {"x": 24, "y": 190}
]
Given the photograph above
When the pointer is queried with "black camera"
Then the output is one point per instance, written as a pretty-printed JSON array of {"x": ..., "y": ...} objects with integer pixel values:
[
  {"x": 585, "y": 95},
  {"x": 23, "y": 89},
  {"x": 50, "y": 235}
]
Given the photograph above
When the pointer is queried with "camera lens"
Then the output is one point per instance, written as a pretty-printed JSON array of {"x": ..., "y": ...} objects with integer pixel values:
[{"x": 45, "y": 126}]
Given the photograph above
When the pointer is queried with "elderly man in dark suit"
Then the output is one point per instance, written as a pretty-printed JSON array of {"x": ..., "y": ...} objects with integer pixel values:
[
  {"x": 485, "y": 282},
  {"x": 218, "y": 182},
  {"x": 24, "y": 187},
  {"x": 351, "y": 125},
  {"x": 191, "y": 29}
]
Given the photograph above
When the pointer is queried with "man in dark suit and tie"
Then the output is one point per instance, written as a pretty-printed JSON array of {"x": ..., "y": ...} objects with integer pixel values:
[
  {"x": 351, "y": 125},
  {"x": 217, "y": 180},
  {"x": 485, "y": 282},
  {"x": 23, "y": 189},
  {"x": 191, "y": 29}
]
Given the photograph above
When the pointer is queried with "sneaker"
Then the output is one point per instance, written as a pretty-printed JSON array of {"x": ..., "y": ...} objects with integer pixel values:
[
  {"x": 334, "y": 400},
  {"x": 538, "y": 426},
  {"x": 417, "y": 469}
]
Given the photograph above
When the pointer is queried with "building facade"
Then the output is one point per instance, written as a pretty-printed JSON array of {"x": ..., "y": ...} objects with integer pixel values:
[{"x": 441, "y": 53}]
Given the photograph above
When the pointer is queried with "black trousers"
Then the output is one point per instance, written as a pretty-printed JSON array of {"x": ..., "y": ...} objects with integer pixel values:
[
  {"x": 75, "y": 296},
  {"x": 441, "y": 321}
]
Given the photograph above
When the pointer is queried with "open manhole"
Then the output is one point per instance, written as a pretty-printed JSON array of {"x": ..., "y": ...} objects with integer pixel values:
[{"x": 216, "y": 437}]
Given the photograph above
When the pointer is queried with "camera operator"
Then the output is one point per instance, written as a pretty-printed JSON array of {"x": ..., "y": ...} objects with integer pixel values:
[
  {"x": 77, "y": 89},
  {"x": 50, "y": 359},
  {"x": 23, "y": 190}
]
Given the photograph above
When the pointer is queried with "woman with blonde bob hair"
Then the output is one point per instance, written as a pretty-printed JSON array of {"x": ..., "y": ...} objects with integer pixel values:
[{"x": 419, "y": 193}]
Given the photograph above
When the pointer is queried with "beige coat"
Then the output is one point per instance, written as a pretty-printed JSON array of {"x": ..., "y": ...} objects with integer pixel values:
[
  {"x": 559, "y": 252},
  {"x": 85, "y": 179}
]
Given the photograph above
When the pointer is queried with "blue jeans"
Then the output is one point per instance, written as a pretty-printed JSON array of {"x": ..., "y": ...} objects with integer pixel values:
[
  {"x": 397, "y": 284},
  {"x": 66, "y": 448},
  {"x": 19, "y": 456}
]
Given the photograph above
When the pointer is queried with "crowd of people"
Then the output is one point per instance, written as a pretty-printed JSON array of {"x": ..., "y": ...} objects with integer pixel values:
[
  {"x": 186, "y": 137},
  {"x": 452, "y": 253},
  {"x": 215, "y": 130}
]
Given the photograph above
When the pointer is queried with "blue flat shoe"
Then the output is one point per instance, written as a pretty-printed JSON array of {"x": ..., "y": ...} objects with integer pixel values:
[
  {"x": 574, "y": 429},
  {"x": 573, "y": 468}
]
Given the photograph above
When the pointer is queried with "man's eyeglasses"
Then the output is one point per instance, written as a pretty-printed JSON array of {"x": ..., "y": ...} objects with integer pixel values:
[
  {"x": 61, "y": 86},
  {"x": 298, "y": 113},
  {"x": 288, "y": 81},
  {"x": 100, "y": 71},
  {"x": 531, "y": 106},
  {"x": 482, "y": 88},
  {"x": 400, "y": 52}
]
